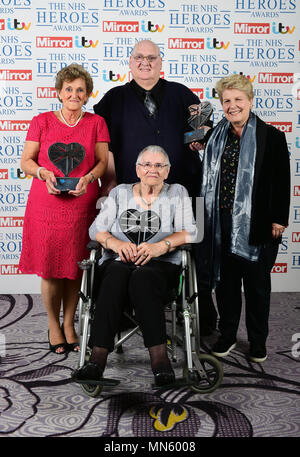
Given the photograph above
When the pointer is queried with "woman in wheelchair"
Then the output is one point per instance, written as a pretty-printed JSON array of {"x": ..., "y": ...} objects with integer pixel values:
[{"x": 139, "y": 226}]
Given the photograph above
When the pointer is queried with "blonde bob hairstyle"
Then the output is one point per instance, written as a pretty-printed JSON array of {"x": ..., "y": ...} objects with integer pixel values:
[
  {"x": 69, "y": 74},
  {"x": 239, "y": 82}
]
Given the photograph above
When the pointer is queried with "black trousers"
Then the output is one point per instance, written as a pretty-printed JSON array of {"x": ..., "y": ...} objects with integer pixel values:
[
  {"x": 256, "y": 280},
  {"x": 207, "y": 311},
  {"x": 146, "y": 288}
]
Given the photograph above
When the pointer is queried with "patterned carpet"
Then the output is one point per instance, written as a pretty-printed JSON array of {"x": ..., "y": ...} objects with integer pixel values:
[{"x": 37, "y": 398}]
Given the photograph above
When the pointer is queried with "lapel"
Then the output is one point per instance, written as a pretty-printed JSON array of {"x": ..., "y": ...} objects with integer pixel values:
[{"x": 261, "y": 138}]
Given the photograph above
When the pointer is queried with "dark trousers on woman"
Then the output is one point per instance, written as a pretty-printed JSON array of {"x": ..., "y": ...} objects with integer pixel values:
[
  {"x": 257, "y": 289},
  {"x": 146, "y": 288}
]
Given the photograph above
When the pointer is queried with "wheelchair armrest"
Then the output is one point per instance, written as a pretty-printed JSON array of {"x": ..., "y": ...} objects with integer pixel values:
[
  {"x": 93, "y": 245},
  {"x": 185, "y": 247}
]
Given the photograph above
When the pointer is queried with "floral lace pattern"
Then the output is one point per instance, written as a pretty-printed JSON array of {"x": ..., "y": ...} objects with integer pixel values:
[{"x": 55, "y": 229}]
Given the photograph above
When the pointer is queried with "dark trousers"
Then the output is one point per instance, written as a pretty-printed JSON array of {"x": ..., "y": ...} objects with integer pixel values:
[
  {"x": 146, "y": 288},
  {"x": 207, "y": 311},
  {"x": 257, "y": 289}
]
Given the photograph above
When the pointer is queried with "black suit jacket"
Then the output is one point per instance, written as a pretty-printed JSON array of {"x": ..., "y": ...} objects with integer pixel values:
[
  {"x": 271, "y": 187},
  {"x": 270, "y": 196}
]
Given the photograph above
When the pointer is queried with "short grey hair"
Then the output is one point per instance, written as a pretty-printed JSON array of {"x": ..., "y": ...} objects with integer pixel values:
[
  {"x": 153, "y": 149},
  {"x": 148, "y": 42}
]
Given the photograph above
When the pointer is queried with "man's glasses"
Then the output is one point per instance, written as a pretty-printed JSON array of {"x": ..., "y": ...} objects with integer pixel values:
[
  {"x": 150, "y": 59},
  {"x": 158, "y": 166}
]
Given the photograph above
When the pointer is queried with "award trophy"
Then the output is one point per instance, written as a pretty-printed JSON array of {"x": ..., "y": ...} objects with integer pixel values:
[
  {"x": 199, "y": 115},
  {"x": 66, "y": 157}
]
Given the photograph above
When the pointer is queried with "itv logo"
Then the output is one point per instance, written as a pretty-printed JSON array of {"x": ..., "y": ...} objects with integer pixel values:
[
  {"x": 112, "y": 77},
  {"x": 14, "y": 24},
  {"x": 82, "y": 42}
]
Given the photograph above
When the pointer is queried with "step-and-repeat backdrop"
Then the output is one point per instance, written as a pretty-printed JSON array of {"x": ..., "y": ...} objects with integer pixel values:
[{"x": 200, "y": 41}]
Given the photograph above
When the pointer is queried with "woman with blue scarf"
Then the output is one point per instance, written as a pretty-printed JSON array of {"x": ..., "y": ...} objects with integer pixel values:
[{"x": 246, "y": 187}]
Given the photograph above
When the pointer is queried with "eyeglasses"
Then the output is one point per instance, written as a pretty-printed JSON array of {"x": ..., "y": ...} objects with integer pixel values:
[
  {"x": 150, "y": 59},
  {"x": 158, "y": 166}
]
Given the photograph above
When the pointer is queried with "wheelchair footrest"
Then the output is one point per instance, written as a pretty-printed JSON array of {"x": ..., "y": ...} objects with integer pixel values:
[
  {"x": 180, "y": 382},
  {"x": 100, "y": 382}
]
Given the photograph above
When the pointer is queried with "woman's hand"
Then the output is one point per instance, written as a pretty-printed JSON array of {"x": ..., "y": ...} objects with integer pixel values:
[
  {"x": 148, "y": 251},
  {"x": 81, "y": 187},
  {"x": 127, "y": 251},
  {"x": 50, "y": 180},
  {"x": 277, "y": 230}
]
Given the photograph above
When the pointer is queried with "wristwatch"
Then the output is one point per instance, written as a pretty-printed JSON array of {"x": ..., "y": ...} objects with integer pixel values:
[{"x": 168, "y": 243}]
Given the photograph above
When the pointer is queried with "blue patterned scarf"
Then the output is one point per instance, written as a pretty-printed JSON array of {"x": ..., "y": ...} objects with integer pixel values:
[{"x": 210, "y": 189}]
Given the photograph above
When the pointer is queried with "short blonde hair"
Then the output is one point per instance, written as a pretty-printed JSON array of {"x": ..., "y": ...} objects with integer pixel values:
[
  {"x": 239, "y": 82},
  {"x": 72, "y": 72}
]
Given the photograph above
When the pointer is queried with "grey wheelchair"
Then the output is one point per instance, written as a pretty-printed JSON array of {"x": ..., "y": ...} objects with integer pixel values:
[{"x": 202, "y": 372}]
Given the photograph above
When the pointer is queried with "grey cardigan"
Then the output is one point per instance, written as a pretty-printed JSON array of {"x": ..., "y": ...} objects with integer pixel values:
[{"x": 126, "y": 220}]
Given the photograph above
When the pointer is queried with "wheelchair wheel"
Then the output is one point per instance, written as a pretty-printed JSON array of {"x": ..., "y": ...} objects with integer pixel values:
[
  {"x": 91, "y": 391},
  {"x": 214, "y": 374}
]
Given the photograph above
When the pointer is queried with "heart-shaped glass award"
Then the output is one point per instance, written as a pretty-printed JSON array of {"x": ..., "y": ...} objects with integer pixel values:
[
  {"x": 139, "y": 226},
  {"x": 66, "y": 157},
  {"x": 199, "y": 115}
]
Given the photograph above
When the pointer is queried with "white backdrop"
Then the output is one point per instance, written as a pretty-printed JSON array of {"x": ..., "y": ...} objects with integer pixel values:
[{"x": 200, "y": 42}]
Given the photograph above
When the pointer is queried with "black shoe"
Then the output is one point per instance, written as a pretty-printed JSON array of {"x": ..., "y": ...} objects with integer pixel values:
[
  {"x": 74, "y": 347},
  {"x": 90, "y": 373},
  {"x": 222, "y": 348},
  {"x": 55, "y": 347},
  {"x": 163, "y": 376},
  {"x": 257, "y": 353}
]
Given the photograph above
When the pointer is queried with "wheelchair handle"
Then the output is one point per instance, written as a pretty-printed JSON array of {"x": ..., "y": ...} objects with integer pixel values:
[{"x": 93, "y": 245}]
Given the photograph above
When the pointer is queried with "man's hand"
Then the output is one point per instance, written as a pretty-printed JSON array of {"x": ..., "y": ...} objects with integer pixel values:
[{"x": 277, "y": 230}]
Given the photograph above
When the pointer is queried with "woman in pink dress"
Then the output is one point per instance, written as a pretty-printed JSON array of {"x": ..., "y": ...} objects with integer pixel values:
[{"x": 56, "y": 223}]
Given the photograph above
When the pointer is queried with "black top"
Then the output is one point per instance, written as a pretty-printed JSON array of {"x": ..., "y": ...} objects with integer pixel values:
[
  {"x": 156, "y": 91},
  {"x": 229, "y": 166}
]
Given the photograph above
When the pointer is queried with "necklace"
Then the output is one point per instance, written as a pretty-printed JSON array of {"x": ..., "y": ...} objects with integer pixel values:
[
  {"x": 145, "y": 201},
  {"x": 70, "y": 125}
]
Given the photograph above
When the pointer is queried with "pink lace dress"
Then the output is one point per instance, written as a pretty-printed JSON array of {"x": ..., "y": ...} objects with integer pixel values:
[{"x": 55, "y": 232}]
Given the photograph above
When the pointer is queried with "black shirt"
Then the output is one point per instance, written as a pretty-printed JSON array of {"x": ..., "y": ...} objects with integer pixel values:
[
  {"x": 229, "y": 166},
  {"x": 156, "y": 92}
]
